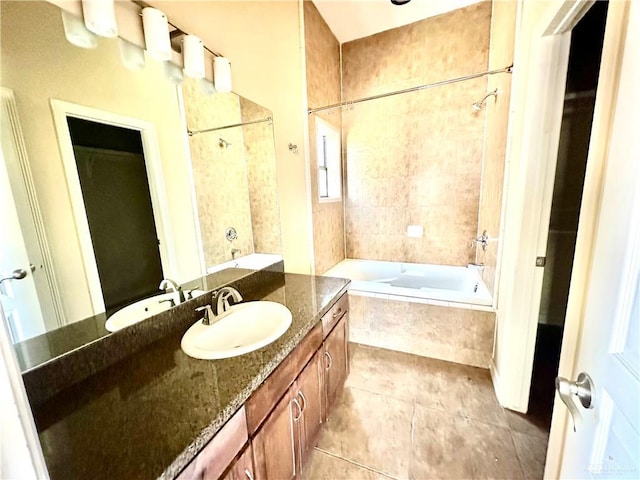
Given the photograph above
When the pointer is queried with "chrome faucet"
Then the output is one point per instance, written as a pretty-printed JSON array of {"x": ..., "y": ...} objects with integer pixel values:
[
  {"x": 220, "y": 300},
  {"x": 482, "y": 240},
  {"x": 177, "y": 290},
  {"x": 234, "y": 252},
  {"x": 208, "y": 317}
]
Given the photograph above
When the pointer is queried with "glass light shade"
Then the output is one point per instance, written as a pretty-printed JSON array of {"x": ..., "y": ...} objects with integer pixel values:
[
  {"x": 207, "y": 86},
  {"x": 222, "y": 74},
  {"x": 131, "y": 55},
  {"x": 156, "y": 34},
  {"x": 100, "y": 17},
  {"x": 76, "y": 32},
  {"x": 173, "y": 73},
  {"x": 193, "y": 56}
]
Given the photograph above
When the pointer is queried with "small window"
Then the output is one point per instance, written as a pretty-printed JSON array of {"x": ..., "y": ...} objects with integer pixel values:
[{"x": 328, "y": 155}]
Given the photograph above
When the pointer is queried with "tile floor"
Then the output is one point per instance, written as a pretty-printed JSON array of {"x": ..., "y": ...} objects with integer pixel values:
[{"x": 408, "y": 417}]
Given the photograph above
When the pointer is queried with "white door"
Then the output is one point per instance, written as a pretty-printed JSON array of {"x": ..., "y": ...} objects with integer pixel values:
[
  {"x": 18, "y": 296},
  {"x": 30, "y": 304},
  {"x": 606, "y": 443}
]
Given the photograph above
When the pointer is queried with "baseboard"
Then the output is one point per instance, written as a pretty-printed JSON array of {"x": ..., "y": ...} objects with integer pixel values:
[{"x": 495, "y": 379}]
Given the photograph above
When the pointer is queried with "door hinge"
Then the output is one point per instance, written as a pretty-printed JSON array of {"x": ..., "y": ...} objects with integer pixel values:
[{"x": 541, "y": 261}]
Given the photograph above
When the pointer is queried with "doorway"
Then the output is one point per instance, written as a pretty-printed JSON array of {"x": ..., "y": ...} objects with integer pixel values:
[
  {"x": 575, "y": 131},
  {"x": 115, "y": 189}
]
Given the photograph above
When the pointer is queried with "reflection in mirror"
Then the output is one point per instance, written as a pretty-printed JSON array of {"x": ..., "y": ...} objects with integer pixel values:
[
  {"x": 234, "y": 174},
  {"x": 80, "y": 134}
]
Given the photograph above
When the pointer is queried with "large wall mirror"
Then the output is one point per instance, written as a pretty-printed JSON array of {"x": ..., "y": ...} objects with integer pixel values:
[{"x": 104, "y": 193}]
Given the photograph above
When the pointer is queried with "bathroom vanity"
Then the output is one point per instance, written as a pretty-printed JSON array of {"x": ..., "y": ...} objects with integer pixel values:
[{"x": 158, "y": 413}]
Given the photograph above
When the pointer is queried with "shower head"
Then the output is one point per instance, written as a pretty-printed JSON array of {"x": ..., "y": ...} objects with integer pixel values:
[{"x": 479, "y": 105}]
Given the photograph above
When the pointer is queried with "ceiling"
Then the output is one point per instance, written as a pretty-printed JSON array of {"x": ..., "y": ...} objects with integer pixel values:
[{"x": 352, "y": 19}]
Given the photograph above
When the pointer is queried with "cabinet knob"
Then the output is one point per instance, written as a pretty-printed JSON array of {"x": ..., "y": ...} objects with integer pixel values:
[{"x": 335, "y": 315}]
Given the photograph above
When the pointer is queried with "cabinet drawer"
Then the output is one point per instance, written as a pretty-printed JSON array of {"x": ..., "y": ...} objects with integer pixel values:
[
  {"x": 218, "y": 454},
  {"x": 242, "y": 469},
  {"x": 336, "y": 312}
]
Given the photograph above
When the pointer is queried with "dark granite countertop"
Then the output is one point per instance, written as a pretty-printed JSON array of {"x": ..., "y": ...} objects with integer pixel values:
[
  {"x": 35, "y": 351},
  {"x": 148, "y": 415}
]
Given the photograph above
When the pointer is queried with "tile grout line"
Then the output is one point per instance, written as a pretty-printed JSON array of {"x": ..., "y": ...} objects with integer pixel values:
[
  {"x": 515, "y": 447},
  {"x": 411, "y": 443},
  {"x": 386, "y": 395},
  {"x": 352, "y": 462}
]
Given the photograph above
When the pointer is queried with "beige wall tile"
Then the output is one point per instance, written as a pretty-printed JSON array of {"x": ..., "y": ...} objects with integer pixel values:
[
  {"x": 446, "y": 333},
  {"x": 260, "y": 156},
  {"x": 418, "y": 153},
  {"x": 323, "y": 88},
  {"x": 497, "y": 117},
  {"x": 223, "y": 200}
]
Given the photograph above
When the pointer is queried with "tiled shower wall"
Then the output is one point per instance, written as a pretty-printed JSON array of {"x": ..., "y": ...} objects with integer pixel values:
[
  {"x": 500, "y": 55},
  {"x": 223, "y": 200},
  {"x": 415, "y": 159},
  {"x": 260, "y": 155},
  {"x": 323, "y": 88}
]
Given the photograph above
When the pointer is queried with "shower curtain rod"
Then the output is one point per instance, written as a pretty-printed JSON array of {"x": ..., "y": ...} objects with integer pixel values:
[
  {"x": 207, "y": 130},
  {"x": 412, "y": 89}
]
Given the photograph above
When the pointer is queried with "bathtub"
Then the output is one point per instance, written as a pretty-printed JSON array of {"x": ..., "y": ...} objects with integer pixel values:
[
  {"x": 428, "y": 310},
  {"x": 462, "y": 285},
  {"x": 253, "y": 261}
]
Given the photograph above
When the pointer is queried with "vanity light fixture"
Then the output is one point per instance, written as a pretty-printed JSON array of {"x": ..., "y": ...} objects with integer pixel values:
[
  {"x": 131, "y": 55},
  {"x": 193, "y": 56},
  {"x": 156, "y": 34},
  {"x": 100, "y": 17},
  {"x": 222, "y": 74},
  {"x": 206, "y": 86},
  {"x": 76, "y": 32},
  {"x": 173, "y": 73}
]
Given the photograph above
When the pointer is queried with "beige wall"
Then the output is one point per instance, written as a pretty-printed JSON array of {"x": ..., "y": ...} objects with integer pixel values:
[
  {"x": 416, "y": 159},
  {"x": 219, "y": 173},
  {"x": 503, "y": 26},
  {"x": 264, "y": 42},
  {"x": 260, "y": 156},
  {"x": 323, "y": 88},
  {"x": 39, "y": 64}
]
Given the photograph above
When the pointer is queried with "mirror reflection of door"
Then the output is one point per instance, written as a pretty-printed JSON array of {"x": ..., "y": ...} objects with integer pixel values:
[
  {"x": 29, "y": 303},
  {"x": 115, "y": 190}
]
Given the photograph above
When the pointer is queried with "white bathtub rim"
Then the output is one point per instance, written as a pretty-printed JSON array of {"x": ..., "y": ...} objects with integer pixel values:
[{"x": 481, "y": 300}]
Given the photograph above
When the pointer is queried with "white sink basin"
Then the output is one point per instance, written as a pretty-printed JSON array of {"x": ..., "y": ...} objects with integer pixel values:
[
  {"x": 141, "y": 310},
  {"x": 243, "y": 328}
]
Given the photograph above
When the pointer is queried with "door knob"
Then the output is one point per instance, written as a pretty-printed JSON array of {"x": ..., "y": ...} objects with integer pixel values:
[
  {"x": 583, "y": 388},
  {"x": 18, "y": 274}
]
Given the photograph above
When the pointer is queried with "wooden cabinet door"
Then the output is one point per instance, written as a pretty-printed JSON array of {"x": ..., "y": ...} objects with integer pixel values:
[
  {"x": 242, "y": 469},
  {"x": 274, "y": 444},
  {"x": 336, "y": 361},
  {"x": 309, "y": 395}
]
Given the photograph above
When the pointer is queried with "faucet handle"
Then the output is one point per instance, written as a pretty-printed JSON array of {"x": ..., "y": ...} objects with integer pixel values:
[{"x": 208, "y": 314}]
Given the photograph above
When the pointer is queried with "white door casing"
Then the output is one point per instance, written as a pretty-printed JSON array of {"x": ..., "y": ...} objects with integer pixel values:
[
  {"x": 19, "y": 298},
  {"x": 32, "y": 305},
  {"x": 61, "y": 110},
  {"x": 607, "y": 441},
  {"x": 543, "y": 30}
]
